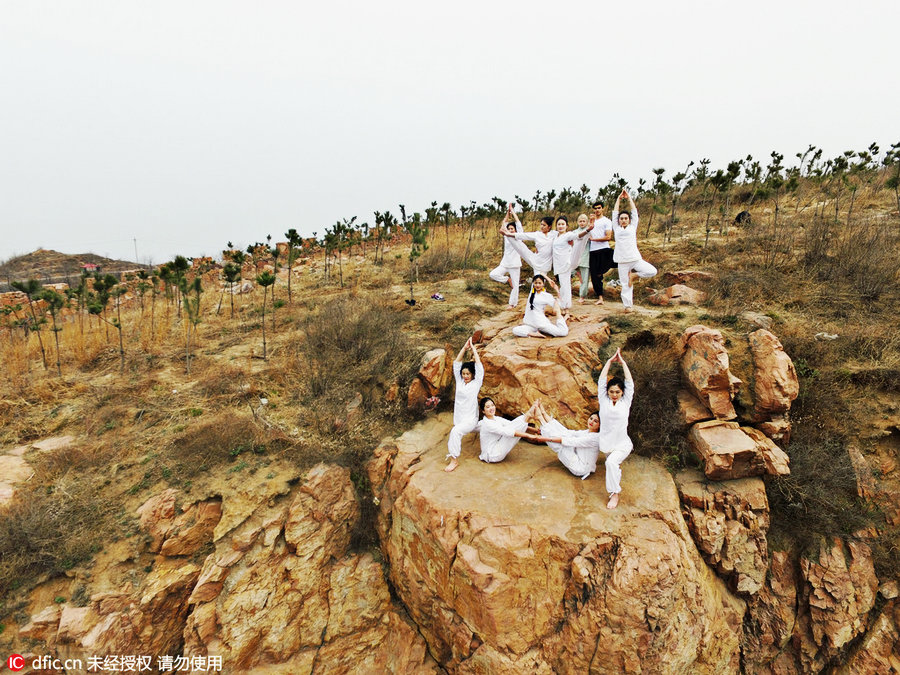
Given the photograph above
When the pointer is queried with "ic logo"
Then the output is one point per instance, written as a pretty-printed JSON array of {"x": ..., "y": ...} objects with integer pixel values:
[{"x": 15, "y": 662}]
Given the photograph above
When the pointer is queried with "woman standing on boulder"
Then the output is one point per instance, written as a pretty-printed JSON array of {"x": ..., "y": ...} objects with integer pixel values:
[
  {"x": 535, "y": 323},
  {"x": 507, "y": 272},
  {"x": 498, "y": 435},
  {"x": 615, "y": 398},
  {"x": 468, "y": 376},
  {"x": 626, "y": 253}
]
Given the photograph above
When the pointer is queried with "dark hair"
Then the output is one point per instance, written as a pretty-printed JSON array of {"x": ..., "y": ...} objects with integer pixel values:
[
  {"x": 598, "y": 203},
  {"x": 483, "y": 401},
  {"x": 624, "y": 213},
  {"x": 531, "y": 295},
  {"x": 468, "y": 365},
  {"x": 510, "y": 223},
  {"x": 548, "y": 220},
  {"x": 614, "y": 381},
  {"x": 562, "y": 218}
]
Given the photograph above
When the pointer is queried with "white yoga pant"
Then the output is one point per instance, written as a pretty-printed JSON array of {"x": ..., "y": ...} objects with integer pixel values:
[
  {"x": 640, "y": 267},
  {"x": 565, "y": 290},
  {"x": 558, "y": 329},
  {"x": 581, "y": 462},
  {"x": 530, "y": 257},
  {"x": 500, "y": 448},
  {"x": 614, "y": 471},
  {"x": 454, "y": 442},
  {"x": 502, "y": 275}
]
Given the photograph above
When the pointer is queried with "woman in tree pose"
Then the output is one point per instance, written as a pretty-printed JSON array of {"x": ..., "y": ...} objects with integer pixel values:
[
  {"x": 469, "y": 377},
  {"x": 535, "y": 323},
  {"x": 498, "y": 435},
  {"x": 567, "y": 247},
  {"x": 510, "y": 267},
  {"x": 615, "y": 398},
  {"x": 577, "y": 450},
  {"x": 626, "y": 253},
  {"x": 540, "y": 260}
]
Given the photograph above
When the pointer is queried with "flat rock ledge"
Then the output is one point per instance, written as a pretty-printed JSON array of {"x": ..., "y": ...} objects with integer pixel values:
[{"x": 519, "y": 567}]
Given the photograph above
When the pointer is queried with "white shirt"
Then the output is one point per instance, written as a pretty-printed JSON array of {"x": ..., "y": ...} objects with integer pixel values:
[
  {"x": 604, "y": 225},
  {"x": 626, "y": 239},
  {"x": 544, "y": 245},
  {"x": 614, "y": 418},
  {"x": 465, "y": 403},
  {"x": 536, "y": 316},
  {"x": 562, "y": 252},
  {"x": 491, "y": 431},
  {"x": 510, "y": 257}
]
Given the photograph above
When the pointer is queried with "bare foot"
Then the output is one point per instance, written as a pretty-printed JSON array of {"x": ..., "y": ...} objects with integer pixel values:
[
  {"x": 452, "y": 465},
  {"x": 628, "y": 310},
  {"x": 599, "y": 301},
  {"x": 613, "y": 501},
  {"x": 511, "y": 306}
]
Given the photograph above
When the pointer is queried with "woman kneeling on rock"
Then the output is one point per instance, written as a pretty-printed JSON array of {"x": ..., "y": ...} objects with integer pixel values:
[
  {"x": 469, "y": 377},
  {"x": 577, "y": 450},
  {"x": 615, "y": 398},
  {"x": 498, "y": 435}
]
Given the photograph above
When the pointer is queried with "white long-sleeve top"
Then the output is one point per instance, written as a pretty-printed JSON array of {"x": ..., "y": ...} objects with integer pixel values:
[
  {"x": 536, "y": 316},
  {"x": 490, "y": 431},
  {"x": 510, "y": 257},
  {"x": 465, "y": 403},
  {"x": 626, "y": 239},
  {"x": 614, "y": 418},
  {"x": 562, "y": 252},
  {"x": 543, "y": 257},
  {"x": 602, "y": 228}
]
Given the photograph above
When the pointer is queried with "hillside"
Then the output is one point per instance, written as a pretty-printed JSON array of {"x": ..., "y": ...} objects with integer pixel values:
[
  {"x": 204, "y": 418},
  {"x": 54, "y": 267}
]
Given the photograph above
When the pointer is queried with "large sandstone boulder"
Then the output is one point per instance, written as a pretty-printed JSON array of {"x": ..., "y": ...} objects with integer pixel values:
[
  {"x": 518, "y": 567},
  {"x": 690, "y": 409},
  {"x": 679, "y": 294},
  {"x": 685, "y": 276},
  {"x": 729, "y": 521},
  {"x": 559, "y": 371},
  {"x": 775, "y": 383},
  {"x": 730, "y": 451},
  {"x": 705, "y": 368},
  {"x": 280, "y": 593},
  {"x": 771, "y": 617},
  {"x": 435, "y": 378}
]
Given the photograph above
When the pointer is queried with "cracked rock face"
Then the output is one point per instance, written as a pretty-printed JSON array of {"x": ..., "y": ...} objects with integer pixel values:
[
  {"x": 705, "y": 368},
  {"x": 519, "y": 567}
]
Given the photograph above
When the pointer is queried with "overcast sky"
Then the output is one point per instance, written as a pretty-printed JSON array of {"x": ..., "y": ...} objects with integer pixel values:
[{"x": 183, "y": 125}]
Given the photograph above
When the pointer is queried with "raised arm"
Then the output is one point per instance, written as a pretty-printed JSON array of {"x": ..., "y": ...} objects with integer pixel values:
[
  {"x": 628, "y": 377},
  {"x": 518, "y": 222},
  {"x": 479, "y": 367},
  {"x": 474, "y": 352},
  {"x": 601, "y": 379},
  {"x": 462, "y": 352}
]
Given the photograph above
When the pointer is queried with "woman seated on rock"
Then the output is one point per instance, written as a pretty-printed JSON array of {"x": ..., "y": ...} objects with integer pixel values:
[
  {"x": 469, "y": 377},
  {"x": 535, "y": 323},
  {"x": 614, "y": 396},
  {"x": 577, "y": 450},
  {"x": 498, "y": 435}
]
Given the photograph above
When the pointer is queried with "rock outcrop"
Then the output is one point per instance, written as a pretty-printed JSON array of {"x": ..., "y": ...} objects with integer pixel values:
[
  {"x": 729, "y": 521},
  {"x": 558, "y": 371},
  {"x": 705, "y": 368},
  {"x": 517, "y": 567},
  {"x": 730, "y": 451},
  {"x": 679, "y": 294},
  {"x": 775, "y": 386},
  {"x": 435, "y": 378},
  {"x": 279, "y": 594}
]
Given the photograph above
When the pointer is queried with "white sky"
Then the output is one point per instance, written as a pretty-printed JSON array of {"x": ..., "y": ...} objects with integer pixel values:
[{"x": 188, "y": 124}]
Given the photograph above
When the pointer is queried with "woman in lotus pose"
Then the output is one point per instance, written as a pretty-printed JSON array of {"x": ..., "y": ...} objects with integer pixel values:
[
  {"x": 577, "y": 450},
  {"x": 469, "y": 377},
  {"x": 626, "y": 253},
  {"x": 615, "y": 398},
  {"x": 535, "y": 323},
  {"x": 498, "y": 435}
]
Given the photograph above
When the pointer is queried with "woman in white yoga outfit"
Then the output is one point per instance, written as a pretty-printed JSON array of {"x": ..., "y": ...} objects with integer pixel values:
[
  {"x": 535, "y": 323},
  {"x": 540, "y": 260},
  {"x": 577, "y": 450},
  {"x": 567, "y": 248},
  {"x": 510, "y": 267},
  {"x": 626, "y": 254},
  {"x": 615, "y": 398},
  {"x": 469, "y": 377},
  {"x": 498, "y": 435}
]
